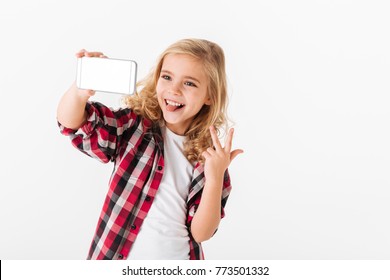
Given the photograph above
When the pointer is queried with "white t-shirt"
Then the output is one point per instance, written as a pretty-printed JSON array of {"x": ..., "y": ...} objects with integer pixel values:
[{"x": 164, "y": 235}]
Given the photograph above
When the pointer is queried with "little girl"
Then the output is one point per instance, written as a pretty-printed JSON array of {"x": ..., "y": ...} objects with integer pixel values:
[{"x": 170, "y": 181}]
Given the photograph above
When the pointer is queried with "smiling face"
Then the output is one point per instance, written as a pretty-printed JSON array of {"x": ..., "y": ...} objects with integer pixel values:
[{"x": 181, "y": 91}]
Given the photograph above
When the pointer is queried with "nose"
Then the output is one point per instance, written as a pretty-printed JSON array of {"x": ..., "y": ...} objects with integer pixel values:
[{"x": 175, "y": 89}]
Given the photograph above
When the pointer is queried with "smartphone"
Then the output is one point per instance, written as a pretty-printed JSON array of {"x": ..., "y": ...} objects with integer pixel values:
[{"x": 106, "y": 74}]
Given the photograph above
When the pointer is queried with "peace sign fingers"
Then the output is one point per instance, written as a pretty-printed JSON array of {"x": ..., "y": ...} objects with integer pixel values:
[
  {"x": 215, "y": 139},
  {"x": 218, "y": 159},
  {"x": 228, "y": 145},
  {"x": 229, "y": 140}
]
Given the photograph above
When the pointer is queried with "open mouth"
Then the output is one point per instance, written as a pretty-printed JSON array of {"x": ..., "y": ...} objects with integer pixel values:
[{"x": 173, "y": 106}]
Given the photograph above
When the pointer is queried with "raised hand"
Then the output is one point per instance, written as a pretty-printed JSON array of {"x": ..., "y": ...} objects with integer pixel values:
[
  {"x": 81, "y": 53},
  {"x": 86, "y": 53},
  {"x": 218, "y": 159}
]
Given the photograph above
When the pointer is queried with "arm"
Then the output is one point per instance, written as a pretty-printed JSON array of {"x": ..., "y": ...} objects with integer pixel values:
[
  {"x": 208, "y": 214},
  {"x": 93, "y": 128},
  {"x": 71, "y": 108}
]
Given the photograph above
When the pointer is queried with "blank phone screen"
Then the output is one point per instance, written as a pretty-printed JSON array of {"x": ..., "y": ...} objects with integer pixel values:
[{"x": 107, "y": 75}]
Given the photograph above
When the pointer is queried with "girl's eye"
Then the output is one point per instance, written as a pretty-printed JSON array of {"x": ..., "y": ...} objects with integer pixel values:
[
  {"x": 191, "y": 84},
  {"x": 166, "y": 77}
]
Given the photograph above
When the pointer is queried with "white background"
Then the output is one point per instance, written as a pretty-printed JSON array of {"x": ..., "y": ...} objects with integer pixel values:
[{"x": 309, "y": 95}]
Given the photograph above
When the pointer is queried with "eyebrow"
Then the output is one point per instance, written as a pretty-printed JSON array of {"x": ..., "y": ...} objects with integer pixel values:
[{"x": 187, "y": 77}]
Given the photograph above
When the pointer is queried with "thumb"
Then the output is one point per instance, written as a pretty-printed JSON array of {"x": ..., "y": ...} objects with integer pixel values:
[{"x": 235, "y": 153}]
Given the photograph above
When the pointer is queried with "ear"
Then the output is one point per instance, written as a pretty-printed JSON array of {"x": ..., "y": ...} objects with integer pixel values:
[{"x": 207, "y": 101}]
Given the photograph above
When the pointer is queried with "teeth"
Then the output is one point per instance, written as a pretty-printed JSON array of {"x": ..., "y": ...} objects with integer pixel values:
[{"x": 173, "y": 103}]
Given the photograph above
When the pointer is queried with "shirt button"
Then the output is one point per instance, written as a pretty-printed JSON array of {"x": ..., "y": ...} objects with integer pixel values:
[
  {"x": 159, "y": 167},
  {"x": 120, "y": 256},
  {"x": 133, "y": 226},
  {"x": 147, "y": 198}
]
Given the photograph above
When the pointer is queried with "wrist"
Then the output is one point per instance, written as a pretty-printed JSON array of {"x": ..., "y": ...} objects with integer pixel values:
[
  {"x": 214, "y": 180},
  {"x": 79, "y": 94}
]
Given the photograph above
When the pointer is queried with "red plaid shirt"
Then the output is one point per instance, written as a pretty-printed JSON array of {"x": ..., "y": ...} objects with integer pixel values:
[{"x": 135, "y": 145}]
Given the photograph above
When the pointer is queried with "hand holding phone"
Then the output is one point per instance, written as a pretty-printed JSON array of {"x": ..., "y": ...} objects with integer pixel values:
[{"x": 106, "y": 74}]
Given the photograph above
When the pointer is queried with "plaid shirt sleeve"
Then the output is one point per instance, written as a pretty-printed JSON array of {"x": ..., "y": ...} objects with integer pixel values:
[{"x": 101, "y": 135}]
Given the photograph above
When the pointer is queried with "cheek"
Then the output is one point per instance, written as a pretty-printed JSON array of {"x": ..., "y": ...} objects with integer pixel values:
[
  {"x": 158, "y": 90},
  {"x": 160, "y": 87}
]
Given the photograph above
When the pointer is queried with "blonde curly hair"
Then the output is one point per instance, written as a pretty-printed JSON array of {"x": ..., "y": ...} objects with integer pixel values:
[{"x": 144, "y": 102}]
